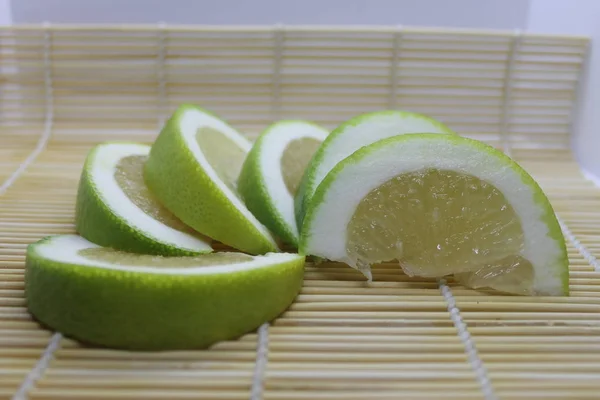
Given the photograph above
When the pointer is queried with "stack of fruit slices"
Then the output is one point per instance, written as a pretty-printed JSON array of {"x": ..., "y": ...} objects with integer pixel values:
[
  {"x": 383, "y": 186},
  {"x": 143, "y": 274}
]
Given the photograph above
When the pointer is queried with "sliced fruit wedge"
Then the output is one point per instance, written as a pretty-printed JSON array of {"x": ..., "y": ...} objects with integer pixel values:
[
  {"x": 273, "y": 170},
  {"x": 440, "y": 205},
  {"x": 193, "y": 169},
  {"x": 123, "y": 300},
  {"x": 116, "y": 209},
  {"x": 353, "y": 134}
]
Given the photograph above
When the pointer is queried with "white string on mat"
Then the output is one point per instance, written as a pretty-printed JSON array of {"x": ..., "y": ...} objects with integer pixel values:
[
  {"x": 514, "y": 47},
  {"x": 160, "y": 74},
  {"x": 49, "y": 117},
  {"x": 589, "y": 257},
  {"x": 397, "y": 41},
  {"x": 260, "y": 367},
  {"x": 278, "y": 43},
  {"x": 467, "y": 341},
  {"x": 40, "y": 367}
]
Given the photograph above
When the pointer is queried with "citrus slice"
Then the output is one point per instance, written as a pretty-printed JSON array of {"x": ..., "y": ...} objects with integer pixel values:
[
  {"x": 124, "y": 300},
  {"x": 272, "y": 172},
  {"x": 116, "y": 209},
  {"x": 353, "y": 134},
  {"x": 440, "y": 205},
  {"x": 193, "y": 169}
]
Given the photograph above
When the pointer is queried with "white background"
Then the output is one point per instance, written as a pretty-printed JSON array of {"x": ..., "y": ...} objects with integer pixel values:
[
  {"x": 463, "y": 13},
  {"x": 547, "y": 16}
]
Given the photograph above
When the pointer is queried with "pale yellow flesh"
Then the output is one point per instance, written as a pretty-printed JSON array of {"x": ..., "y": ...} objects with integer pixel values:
[
  {"x": 438, "y": 223},
  {"x": 129, "y": 175},
  {"x": 223, "y": 154},
  {"x": 294, "y": 160},
  {"x": 512, "y": 275},
  {"x": 135, "y": 260}
]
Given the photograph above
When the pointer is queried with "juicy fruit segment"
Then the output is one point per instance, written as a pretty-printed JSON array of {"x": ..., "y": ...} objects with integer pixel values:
[
  {"x": 223, "y": 154},
  {"x": 192, "y": 170},
  {"x": 438, "y": 223},
  {"x": 294, "y": 160},
  {"x": 129, "y": 174},
  {"x": 122, "y": 258},
  {"x": 435, "y": 222},
  {"x": 121, "y": 300}
]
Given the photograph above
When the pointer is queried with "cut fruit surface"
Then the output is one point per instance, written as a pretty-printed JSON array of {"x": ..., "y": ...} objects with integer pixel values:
[
  {"x": 116, "y": 209},
  {"x": 112, "y": 298},
  {"x": 352, "y": 135},
  {"x": 272, "y": 172},
  {"x": 193, "y": 169},
  {"x": 440, "y": 205}
]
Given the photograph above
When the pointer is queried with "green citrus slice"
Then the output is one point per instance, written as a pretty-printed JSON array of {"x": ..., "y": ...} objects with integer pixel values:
[
  {"x": 353, "y": 134},
  {"x": 193, "y": 169},
  {"x": 440, "y": 205},
  {"x": 273, "y": 170},
  {"x": 116, "y": 209},
  {"x": 123, "y": 300}
]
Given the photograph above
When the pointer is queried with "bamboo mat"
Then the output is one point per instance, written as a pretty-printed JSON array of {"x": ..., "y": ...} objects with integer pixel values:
[{"x": 342, "y": 338}]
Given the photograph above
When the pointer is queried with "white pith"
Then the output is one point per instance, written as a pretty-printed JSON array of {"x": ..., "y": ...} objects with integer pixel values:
[
  {"x": 327, "y": 225},
  {"x": 102, "y": 173},
  {"x": 190, "y": 122},
  {"x": 369, "y": 130},
  {"x": 65, "y": 249},
  {"x": 273, "y": 145}
]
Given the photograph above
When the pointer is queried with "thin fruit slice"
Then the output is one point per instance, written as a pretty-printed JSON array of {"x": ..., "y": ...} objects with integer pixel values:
[
  {"x": 440, "y": 205},
  {"x": 116, "y": 209},
  {"x": 123, "y": 300},
  {"x": 353, "y": 134},
  {"x": 272, "y": 172},
  {"x": 193, "y": 169}
]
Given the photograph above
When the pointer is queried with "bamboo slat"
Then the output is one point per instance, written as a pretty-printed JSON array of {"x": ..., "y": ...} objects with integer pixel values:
[{"x": 65, "y": 88}]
